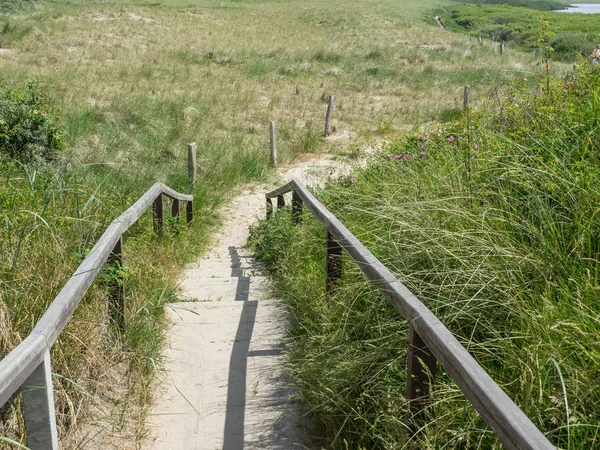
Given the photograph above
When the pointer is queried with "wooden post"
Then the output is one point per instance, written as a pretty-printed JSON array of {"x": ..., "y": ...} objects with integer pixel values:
[
  {"x": 269, "y": 208},
  {"x": 273, "y": 143},
  {"x": 479, "y": 39},
  {"x": 296, "y": 208},
  {"x": 157, "y": 211},
  {"x": 466, "y": 98},
  {"x": 189, "y": 212},
  {"x": 334, "y": 263},
  {"x": 38, "y": 408},
  {"x": 280, "y": 201},
  {"x": 470, "y": 38},
  {"x": 328, "y": 116},
  {"x": 117, "y": 287},
  {"x": 536, "y": 53},
  {"x": 192, "y": 163},
  {"x": 175, "y": 209},
  {"x": 501, "y": 47},
  {"x": 420, "y": 375}
]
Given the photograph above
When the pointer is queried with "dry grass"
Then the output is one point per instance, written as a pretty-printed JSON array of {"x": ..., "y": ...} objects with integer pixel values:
[{"x": 216, "y": 72}]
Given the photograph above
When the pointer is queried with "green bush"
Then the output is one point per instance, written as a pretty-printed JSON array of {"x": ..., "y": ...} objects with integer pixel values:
[
  {"x": 566, "y": 46},
  {"x": 29, "y": 126}
]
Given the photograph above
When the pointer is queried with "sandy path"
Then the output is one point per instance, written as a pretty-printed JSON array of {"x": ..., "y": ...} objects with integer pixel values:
[{"x": 224, "y": 385}]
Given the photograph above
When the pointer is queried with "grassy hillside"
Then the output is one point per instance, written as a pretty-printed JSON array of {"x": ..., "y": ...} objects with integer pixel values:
[
  {"x": 134, "y": 82},
  {"x": 492, "y": 222}
]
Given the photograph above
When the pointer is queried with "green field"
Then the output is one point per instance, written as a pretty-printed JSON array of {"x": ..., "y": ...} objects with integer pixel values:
[
  {"x": 517, "y": 22},
  {"x": 133, "y": 82}
]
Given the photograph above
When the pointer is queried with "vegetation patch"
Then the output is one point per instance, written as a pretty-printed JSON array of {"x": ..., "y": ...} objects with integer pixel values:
[
  {"x": 29, "y": 125},
  {"x": 491, "y": 221},
  {"x": 518, "y": 22}
]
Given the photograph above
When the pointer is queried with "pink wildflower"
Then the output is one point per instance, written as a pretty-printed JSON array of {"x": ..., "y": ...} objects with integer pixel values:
[
  {"x": 396, "y": 157},
  {"x": 451, "y": 139},
  {"x": 424, "y": 153},
  {"x": 406, "y": 158},
  {"x": 351, "y": 180},
  {"x": 476, "y": 146},
  {"x": 421, "y": 138}
]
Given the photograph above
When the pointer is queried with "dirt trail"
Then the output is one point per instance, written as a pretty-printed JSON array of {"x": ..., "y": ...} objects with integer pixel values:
[{"x": 224, "y": 385}]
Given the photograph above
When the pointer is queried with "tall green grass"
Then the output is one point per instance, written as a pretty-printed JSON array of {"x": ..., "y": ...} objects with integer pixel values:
[
  {"x": 52, "y": 213},
  {"x": 492, "y": 221}
]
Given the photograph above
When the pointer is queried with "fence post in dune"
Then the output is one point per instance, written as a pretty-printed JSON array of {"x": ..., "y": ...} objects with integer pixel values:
[
  {"x": 334, "y": 263},
  {"x": 328, "y": 116},
  {"x": 296, "y": 208},
  {"x": 157, "y": 213},
  {"x": 192, "y": 163},
  {"x": 175, "y": 209},
  {"x": 501, "y": 48},
  {"x": 273, "y": 142},
  {"x": 466, "y": 98},
  {"x": 269, "y": 208},
  {"x": 536, "y": 53},
  {"x": 479, "y": 39},
  {"x": 420, "y": 376},
  {"x": 38, "y": 408},
  {"x": 117, "y": 286}
]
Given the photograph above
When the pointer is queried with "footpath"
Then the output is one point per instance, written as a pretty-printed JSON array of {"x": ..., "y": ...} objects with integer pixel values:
[{"x": 224, "y": 384}]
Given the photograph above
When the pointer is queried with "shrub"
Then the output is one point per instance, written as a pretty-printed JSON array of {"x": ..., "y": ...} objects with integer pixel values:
[
  {"x": 29, "y": 126},
  {"x": 567, "y": 45}
]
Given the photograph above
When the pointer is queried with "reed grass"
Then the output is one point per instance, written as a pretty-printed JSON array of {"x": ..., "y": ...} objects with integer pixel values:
[{"x": 503, "y": 249}]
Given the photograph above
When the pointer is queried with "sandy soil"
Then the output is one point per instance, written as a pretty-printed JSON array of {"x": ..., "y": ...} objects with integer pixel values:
[{"x": 224, "y": 385}]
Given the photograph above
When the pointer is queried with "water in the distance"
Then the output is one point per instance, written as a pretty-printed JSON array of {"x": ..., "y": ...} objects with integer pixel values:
[{"x": 585, "y": 8}]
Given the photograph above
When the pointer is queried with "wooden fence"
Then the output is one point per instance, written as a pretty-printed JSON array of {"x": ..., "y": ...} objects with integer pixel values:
[
  {"x": 429, "y": 340},
  {"x": 28, "y": 365}
]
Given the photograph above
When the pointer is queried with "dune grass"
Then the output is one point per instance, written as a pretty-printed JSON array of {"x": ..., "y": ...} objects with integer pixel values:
[
  {"x": 493, "y": 224},
  {"x": 135, "y": 82}
]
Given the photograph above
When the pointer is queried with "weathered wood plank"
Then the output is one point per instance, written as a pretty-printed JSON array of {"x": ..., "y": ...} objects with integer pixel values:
[
  {"x": 280, "y": 201},
  {"x": 16, "y": 367},
  {"x": 273, "y": 142},
  {"x": 296, "y": 208},
  {"x": 157, "y": 214},
  {"x": 269, "y": 207},
  {"x": 288, "y": 187},
  {"x": 333, "y": 263},
  {"x": 189, "y": 212},
  {"x": 117, "y": 287},
  {"x": 514, "y": 429},
  {"x": 175, "y": 209},
  {"x": 328, "y": 116},
  {"x": 38, "y": 408},
  {"x": 420, "y": 374},
  {"x": 192, "y": 163},
  {"x": 166, "y": 190}
]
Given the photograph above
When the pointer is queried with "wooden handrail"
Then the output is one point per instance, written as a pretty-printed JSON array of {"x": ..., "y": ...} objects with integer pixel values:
[
  {"x": 429, "y": 339},
  {"x": 19, "y": 365}
]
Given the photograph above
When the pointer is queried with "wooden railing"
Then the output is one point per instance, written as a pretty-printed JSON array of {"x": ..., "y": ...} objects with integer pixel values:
[
  {"x": 429, "y": 340},
  {"x": 28, "y": 365}
]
